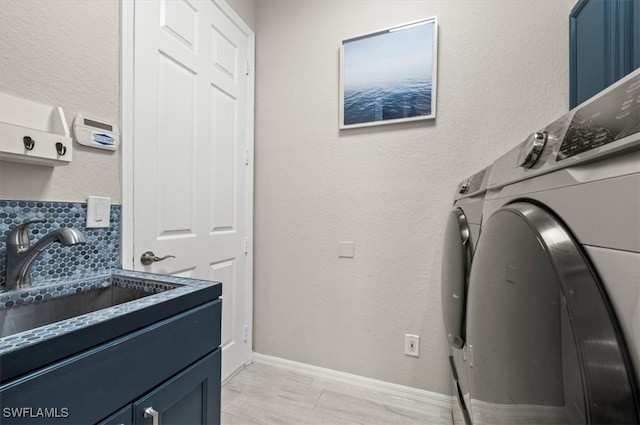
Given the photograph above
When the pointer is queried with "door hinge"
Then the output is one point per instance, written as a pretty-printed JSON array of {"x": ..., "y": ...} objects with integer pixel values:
[
  {"x": 246, "y": 334},
  {"x": 248, "y": 68},
  {"x": 246, "y": 246},
  {"x": 246, "y": 157}
]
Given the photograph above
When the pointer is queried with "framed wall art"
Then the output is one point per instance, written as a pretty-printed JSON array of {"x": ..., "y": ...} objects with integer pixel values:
[{"x": 389, "y": 76}]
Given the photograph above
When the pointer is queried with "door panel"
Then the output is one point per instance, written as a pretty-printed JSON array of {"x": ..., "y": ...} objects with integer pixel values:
[
  {"x": 175, "y": 146},
  {"x": 191, "y": 187},
  {"x": 223, "y": 159},
  {"x": 189, "y": 273},
  {"x": 224, "y": 53},
  {"x": 179, "y": 18}
]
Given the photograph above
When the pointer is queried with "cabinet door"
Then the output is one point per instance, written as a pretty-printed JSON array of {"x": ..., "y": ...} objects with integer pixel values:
[
  {"x": 190, "y": 398},
  {"x": 93, "y": 384},
  {"x": 604, "y": 45},
  {"x": 122, "y": 417}
]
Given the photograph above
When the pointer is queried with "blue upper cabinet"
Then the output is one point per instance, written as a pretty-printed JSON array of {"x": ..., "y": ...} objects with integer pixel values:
[{"x": 604, "y": 45}]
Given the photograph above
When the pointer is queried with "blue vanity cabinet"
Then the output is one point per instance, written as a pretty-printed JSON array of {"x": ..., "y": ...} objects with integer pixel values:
[
  {"x": 122, "y": 417},
  {"x": 604, "y": 45},
  {"x": 172, "y": 366},
  {"x": 191, "y": 397}
]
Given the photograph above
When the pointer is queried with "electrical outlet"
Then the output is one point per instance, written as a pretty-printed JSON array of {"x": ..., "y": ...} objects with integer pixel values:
[{"x": 412, "y": 345}]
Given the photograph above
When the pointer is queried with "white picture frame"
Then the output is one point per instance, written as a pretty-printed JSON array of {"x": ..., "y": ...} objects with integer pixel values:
[{"x": 389, "y": 76}]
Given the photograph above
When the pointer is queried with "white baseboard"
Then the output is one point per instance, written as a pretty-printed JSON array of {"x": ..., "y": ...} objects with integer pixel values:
[{"x": 396, "y": 390}]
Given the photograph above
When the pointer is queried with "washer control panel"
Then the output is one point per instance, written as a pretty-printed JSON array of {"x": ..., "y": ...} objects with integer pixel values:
[
  {"x": 605, "y": 125},
  {"x": 603, "y": 120}
]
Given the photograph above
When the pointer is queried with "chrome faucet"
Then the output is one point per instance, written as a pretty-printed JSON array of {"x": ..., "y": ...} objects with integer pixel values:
[{"x": 21, "y": 254}]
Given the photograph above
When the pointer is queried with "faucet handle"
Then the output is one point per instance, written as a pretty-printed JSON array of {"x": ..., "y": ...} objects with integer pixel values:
[{"x": 19, "y": 237}]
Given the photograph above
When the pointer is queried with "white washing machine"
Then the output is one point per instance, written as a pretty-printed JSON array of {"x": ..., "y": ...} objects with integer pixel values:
[
  {"x": 460, "y": 239},
  {"x": 553, "y": 308}
]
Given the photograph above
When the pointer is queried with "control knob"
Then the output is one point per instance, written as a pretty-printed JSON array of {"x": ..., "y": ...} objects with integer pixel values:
[{"x": 532, "y": 149}]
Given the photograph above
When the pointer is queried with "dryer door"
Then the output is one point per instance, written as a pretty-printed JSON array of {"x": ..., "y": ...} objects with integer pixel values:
[
  {"x": 543, "y": 342},
  {"x": 456, "y": 260}
]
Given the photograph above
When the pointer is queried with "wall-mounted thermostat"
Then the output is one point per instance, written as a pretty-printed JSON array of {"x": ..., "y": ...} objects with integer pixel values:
[{"x": 95, "y": 133}]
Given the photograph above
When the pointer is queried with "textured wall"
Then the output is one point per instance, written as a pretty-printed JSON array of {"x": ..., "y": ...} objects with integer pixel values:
[
  {"x": 246, "y": 9},
  {"x": 63, "y": 53},
  {"x": 502, "y": 73}
]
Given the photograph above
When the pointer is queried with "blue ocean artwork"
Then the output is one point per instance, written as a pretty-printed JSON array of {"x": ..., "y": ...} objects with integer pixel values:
[
  {"x": 388, "y": 75},
  {"x": 403, "y": 99}
]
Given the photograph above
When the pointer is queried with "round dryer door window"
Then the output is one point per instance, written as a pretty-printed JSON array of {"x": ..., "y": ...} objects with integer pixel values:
[
  {"x": 456, "y": 260},
  {"x": 543, "y": 342}
]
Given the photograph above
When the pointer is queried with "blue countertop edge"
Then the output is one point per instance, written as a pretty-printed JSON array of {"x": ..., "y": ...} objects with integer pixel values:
[{"x": 65, "y": 287}]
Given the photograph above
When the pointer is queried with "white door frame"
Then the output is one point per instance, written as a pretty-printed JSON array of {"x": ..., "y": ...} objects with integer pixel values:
[{"x": 127, "y": 57}]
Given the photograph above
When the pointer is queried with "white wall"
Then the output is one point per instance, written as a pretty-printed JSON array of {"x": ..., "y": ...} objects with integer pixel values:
[
  {"x": 63, "y": 53},
  {"x": 246, "y": 9},
  {"x": 503, "y": 73}
]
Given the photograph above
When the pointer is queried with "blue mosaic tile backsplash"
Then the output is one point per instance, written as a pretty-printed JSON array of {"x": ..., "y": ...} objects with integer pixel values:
[{"x": 101, "y": 252}]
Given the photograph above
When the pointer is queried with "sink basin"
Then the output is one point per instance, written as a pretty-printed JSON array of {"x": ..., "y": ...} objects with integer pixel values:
[{"x": 20, "y": 318}]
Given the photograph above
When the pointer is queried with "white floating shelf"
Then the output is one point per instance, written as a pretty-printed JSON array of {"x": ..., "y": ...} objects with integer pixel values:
[{"x": 33, "y": 133}]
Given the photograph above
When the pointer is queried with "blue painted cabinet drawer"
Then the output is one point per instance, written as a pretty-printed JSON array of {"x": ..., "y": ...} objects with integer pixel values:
[
  {"x": 88, "y": 387},
  {"x": 121, "y": 417},
  {"x": 191, "y": 397}
]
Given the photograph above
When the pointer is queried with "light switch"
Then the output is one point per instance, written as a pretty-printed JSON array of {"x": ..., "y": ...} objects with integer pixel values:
[
  {"x": 98, "y": 212},
  {"x": 345, "y": 249}
]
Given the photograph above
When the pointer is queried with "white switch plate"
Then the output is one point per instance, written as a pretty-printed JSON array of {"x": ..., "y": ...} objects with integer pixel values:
[
  {"x": 345, "y": 249},
  {"x": 98, "y": 212}
]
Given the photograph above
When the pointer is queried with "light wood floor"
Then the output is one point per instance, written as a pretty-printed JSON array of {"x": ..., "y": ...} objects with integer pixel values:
[{"x": 267, "y": 395}]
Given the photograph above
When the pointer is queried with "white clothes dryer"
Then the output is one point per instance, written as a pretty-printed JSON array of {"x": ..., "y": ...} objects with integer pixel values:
[
  {"x": 461, "y": 236},
  {"x": 553, "y": 316}
]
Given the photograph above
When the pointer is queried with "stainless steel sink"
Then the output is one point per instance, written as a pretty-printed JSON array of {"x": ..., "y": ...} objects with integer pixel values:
[{"x": 20, "y": 318}]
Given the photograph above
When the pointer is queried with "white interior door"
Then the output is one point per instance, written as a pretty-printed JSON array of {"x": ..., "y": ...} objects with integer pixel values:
[{"x": 192, "y": 138}]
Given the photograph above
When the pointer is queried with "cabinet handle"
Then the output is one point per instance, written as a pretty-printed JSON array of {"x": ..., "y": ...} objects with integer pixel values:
[{"x": 150, "y": 412}]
